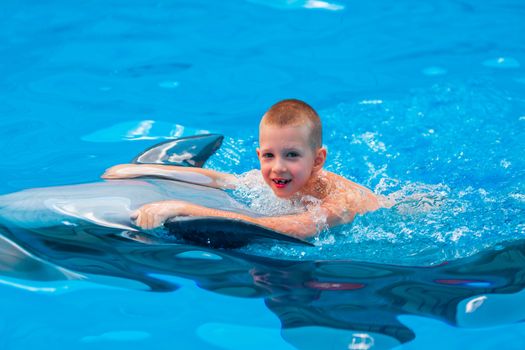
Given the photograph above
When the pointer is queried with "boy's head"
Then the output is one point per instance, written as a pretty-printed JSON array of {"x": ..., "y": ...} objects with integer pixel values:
[
  {"x": 290, "y": 140},
  {"x": 293, "y": 112}
]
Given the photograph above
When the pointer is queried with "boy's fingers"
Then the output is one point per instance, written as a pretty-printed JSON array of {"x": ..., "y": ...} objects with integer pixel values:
[
  {"x": 139, "y": 218},
  {"x": 147, "y": 222},
  {"x": 145, "y": 219},
  {"x": 138, "y": 221},
  {"x": 150, "y": 222}
]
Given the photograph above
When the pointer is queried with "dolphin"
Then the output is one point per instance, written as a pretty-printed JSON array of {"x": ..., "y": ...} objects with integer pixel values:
[{"x": 109, "y": 204}]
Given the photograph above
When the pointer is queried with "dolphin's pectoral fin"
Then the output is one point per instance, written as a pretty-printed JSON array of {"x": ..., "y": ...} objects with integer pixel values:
[
  {"x": 191, "y": 151},
  {"x": 216, "y": 232}
]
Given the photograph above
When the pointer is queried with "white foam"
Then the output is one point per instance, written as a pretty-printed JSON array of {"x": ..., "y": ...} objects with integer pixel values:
[{"x": 253, "y": 192}]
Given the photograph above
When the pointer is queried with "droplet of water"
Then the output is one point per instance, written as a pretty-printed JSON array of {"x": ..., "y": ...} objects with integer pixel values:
[
  {"x": 502, "y": 62},
  {"x": 504, "y": 163},
  {"x": 371, "y": 102}
]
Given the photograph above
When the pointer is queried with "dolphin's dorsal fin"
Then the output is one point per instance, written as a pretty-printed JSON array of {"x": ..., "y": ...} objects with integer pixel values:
[{"x": 192, "y": 151}]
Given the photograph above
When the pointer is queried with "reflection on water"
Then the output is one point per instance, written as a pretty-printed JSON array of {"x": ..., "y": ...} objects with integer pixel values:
[{"x": 349, "y": 303}]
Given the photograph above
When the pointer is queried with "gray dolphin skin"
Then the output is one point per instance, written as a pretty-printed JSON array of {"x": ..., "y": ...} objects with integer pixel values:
[
  {"x": 110, "y": 203},
  {"x": 185, "y": 151}
]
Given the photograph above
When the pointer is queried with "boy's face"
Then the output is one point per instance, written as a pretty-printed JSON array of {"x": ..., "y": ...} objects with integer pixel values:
[{"x": 287, "y": 158}]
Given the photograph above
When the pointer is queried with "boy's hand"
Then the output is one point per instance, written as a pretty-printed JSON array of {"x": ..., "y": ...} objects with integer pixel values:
[
  {"x": 153, "y": 215},
  {"x": 121, "y": 171}
]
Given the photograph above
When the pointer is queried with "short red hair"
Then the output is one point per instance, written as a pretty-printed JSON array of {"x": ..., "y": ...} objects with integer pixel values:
[{"x": 292, "y": 112}]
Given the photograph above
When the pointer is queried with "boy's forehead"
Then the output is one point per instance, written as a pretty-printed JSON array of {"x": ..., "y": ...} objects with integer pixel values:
[{"x": 284, "y": 137}]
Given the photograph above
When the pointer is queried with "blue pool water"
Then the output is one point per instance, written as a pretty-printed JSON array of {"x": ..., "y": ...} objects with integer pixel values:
[{"x": 422, "y": 102}]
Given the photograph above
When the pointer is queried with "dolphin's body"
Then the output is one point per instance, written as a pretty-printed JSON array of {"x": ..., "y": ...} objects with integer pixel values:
[{"x": 110, "y": 203}]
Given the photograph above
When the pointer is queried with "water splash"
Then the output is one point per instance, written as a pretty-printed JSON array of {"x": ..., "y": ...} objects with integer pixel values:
[
  {"x": 447, "y": 160},
  {"x": 254, "y": 193}
]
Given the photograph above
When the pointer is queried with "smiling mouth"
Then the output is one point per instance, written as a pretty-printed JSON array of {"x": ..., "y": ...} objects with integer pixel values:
[{"x": 281, "y": 182}]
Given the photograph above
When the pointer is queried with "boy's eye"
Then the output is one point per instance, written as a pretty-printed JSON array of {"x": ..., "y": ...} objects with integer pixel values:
[
  {"x": 292, "y": 154},
  {"x": 267, "y": 155}
]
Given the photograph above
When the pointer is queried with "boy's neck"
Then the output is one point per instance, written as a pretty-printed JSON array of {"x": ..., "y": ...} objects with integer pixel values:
[{"x": 317, "y": 186}]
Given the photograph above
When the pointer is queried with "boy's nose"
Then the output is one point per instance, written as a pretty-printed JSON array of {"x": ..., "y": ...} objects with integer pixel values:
[{"x": 280, "y": 166}]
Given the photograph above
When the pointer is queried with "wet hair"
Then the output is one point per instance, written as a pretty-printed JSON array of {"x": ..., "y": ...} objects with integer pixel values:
[{"x": 292, "y": 112}]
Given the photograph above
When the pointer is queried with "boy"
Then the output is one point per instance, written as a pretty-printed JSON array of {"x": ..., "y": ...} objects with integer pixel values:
[{"x": 292, "y": 158}]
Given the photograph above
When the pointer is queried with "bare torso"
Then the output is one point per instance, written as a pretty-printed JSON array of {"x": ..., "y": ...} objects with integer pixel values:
[{"x": 342, "y": 197}]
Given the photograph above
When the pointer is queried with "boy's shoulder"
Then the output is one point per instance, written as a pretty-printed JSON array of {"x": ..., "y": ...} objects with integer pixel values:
[
  {"x": 338, "y": 183},
  {"x": 348, "y": 194}
]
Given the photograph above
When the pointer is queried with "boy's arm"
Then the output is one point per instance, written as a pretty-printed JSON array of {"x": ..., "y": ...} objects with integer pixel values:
[
  {"x": 198, "y": 176},
  {"x": 301, "y": 225}
]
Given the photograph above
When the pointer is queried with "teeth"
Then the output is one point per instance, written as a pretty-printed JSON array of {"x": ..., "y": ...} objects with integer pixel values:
[{"x": 281, "y": 182}]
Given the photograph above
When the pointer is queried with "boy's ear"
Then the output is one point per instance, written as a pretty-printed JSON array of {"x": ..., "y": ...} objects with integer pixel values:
[
  {"x": 258, "y": 153},
  {"x": 320, "y": 159}
]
